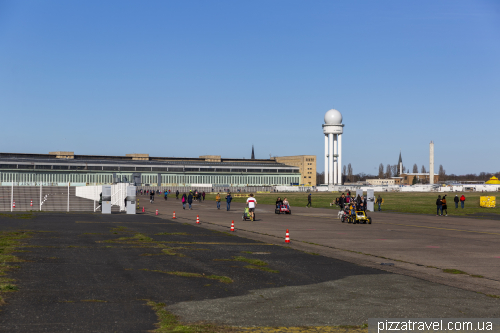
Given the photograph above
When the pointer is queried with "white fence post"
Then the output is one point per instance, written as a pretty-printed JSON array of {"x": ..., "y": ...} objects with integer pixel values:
[
  {"x": 68, "y": 198},
  {"x": 12, "y": 197}
]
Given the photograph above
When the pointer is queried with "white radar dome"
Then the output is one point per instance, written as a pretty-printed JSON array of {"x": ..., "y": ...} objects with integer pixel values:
[{"x": 333, "y": 117}]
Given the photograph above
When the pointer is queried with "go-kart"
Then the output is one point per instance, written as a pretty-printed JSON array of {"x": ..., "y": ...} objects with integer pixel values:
[
  {"x": 361, "y": 217},
  {"x": 283, "y": 209},
  {"x": 346, "y": 217}
]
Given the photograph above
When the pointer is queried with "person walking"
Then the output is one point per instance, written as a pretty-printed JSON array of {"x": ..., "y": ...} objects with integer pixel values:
[
  {"x": 165, "y": 195},
  {"x": 217, "y": 199},
  {"x": 203, "y": 195},
  {"x": 152, "y": 196},
  {"x": 177, "y": 195},
  {"x": 342, "y": 201},
  {"x": 229, "y": 198},
  {"x": 439, "y": 204},
  {"x": 309, "y": 204},
  {"x": 251, "y": 202},
  {"x": 184, "y": 199},
  {"x": 456, "y": 199},
  {"x": 190, "y": 199},
  {"x": 379, "y": 202},
  {"x": 445, "y": 206},
  {"x": 462, "y": 201}
]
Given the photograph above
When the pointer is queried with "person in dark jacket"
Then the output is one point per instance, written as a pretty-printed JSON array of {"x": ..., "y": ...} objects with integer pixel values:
[
  {"x": 184, "y": 200},
  {"x": 309, "y": 204},
  {"x": 439, "y": 204},
  {"x": 203, "y": 195},
  {"x": 190, "y": 199},
  {"x": 342, "y": 201},
  {"x": 177, "y": 194},
  {"x": 229, "y": 198},
  {"x": 166, "y": 194},
  {"x": 279, "y": 202},
  {"x": 379, "y": 202},
  {"x": 456, "y": 199}
]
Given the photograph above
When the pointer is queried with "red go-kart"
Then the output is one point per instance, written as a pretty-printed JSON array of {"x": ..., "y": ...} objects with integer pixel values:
[{"x": 283, "y": 209}]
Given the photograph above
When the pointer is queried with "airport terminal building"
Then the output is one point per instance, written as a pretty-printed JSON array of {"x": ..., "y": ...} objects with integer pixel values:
[{"x": 61, "y": 168}]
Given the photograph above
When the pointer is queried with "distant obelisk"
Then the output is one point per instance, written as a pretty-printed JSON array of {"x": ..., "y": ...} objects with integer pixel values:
[
  {"x": 253, "y": 154},
  {"x": 431, "y": 163}
]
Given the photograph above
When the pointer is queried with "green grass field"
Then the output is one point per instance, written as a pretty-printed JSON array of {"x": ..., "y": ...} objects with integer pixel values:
[{"x": 416, "y": 203}]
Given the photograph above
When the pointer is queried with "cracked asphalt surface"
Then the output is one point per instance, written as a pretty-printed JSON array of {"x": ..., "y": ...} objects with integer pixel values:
[{"x": 94, "y": 273}]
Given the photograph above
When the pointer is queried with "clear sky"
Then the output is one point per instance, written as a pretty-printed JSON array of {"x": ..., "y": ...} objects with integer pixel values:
[{"x": 189, "y": 78}]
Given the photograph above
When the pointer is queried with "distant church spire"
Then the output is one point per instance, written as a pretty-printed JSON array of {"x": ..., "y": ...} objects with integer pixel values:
[
  {"x": 400, "y": 164},
  {"x": 253, "y": 154}
]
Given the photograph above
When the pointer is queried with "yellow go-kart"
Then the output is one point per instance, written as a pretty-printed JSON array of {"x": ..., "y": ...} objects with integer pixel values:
[{"x": 361, "y": 217}]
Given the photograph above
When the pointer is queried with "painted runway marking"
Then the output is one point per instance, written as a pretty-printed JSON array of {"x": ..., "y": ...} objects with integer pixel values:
[
  {"x": 418, "y": 226},
  {"x": 125, "y": 222},
  {"x": 449, "y": 229}
]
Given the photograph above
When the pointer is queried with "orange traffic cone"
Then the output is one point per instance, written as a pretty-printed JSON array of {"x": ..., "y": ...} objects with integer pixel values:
[
  {"x": 287, "y": 237},
  {"x": 232, "y": 225},
  {"x": 197, "y": 219},
  {"x": 143, "y": 210},
  {"x": 157, "y": 212},
  {"x": 31, "y": 203},
  {"x": 174, "y": 215},
  {"x": 14, "y": 204}
]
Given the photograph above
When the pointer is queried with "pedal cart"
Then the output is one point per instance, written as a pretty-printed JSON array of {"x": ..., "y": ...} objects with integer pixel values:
[
  {"x": 347, "y": 217},
  {"x": 246, "y": 215},
  {"x": 361, "y": 217},
  {"x": 283, "y": 209}
]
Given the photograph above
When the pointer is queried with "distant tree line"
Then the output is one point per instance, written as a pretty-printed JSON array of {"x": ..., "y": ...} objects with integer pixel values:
[{"x": 389, "y": 171}]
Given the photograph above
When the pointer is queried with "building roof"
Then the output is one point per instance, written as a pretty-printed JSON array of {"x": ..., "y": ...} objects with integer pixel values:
[
  {"x": 11, "y": 158},
  {"x": 493, "y": 180}
]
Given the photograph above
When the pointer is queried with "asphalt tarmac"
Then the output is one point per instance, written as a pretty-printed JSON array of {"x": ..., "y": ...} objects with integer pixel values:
[
  {"x": 423, "y": 246},
  {"x": 95, "y": 273}
]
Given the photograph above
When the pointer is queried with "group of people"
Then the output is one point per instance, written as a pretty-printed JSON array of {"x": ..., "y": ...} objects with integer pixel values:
[
  {"x": 442, "y": 206},
  {"x": 190, "y": 197},
  {"x": 358, "y": 203},
  {"x": 283, "y": 202},
  {"x": 229, "y": 198}
]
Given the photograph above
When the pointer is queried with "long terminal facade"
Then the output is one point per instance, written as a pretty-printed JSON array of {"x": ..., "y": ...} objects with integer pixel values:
[{"x": 64, "y": 167}]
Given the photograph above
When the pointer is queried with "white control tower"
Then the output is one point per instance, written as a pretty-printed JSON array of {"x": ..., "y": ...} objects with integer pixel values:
[{"x": 333, "y": 130}]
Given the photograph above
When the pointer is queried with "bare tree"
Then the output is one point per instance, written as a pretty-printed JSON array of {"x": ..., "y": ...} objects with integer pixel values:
[
  {"x": 344, "y": 170},
  {"x": 394, "y": 169},
  {"x": 404, "y": 169},
  {"x": 349, "y": 172},
  {"x": 320, "y": 178},
  {"x": 442, "y": 173},
  {"x": 388, "y": 171},
  {"x": 423, "y": 169},
  {"x": 381, "y": 171},
  {"x": 415, "y": 168}
]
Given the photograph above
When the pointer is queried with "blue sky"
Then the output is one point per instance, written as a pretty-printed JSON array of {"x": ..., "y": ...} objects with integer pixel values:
[{"x": 190, "y": 78}]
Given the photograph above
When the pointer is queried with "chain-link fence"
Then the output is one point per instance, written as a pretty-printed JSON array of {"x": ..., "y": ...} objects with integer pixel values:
[
  {"x": 42, "y": 198},
  {"x": 59, "y": 198}
]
